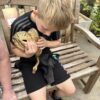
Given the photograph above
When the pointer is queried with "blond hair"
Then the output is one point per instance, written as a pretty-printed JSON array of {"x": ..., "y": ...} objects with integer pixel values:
[{"x": 56, "y": 12}]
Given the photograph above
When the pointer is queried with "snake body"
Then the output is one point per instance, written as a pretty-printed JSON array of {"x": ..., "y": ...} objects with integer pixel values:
[{"x": 23, "y": 36}]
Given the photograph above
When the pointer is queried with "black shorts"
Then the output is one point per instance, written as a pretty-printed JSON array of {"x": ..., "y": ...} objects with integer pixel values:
[{"x": 36, "y": 81}]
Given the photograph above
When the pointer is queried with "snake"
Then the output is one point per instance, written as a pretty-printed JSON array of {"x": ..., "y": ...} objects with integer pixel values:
[{"x": 22, "y": 36}]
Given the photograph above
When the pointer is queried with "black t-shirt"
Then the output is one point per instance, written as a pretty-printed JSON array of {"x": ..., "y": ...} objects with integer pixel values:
[{"x": 24, "y": 23}]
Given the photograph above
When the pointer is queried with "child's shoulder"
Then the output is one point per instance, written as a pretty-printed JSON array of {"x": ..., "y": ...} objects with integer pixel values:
[
  {"x": 22, "y": 18},
  {"x": 22, "y": 23}
]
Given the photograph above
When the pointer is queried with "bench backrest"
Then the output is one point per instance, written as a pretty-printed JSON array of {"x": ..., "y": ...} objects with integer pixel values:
[{"x": 27, "y": 4}]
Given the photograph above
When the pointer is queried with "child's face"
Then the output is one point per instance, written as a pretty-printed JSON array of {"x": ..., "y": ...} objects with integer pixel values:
[{"x": 43, "y": 26}]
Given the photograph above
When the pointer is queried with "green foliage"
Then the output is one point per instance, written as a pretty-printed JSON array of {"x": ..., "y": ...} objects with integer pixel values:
[
  {"x": 85, "y": 8},
  {"x": 95, "y": 16},
  {"x": 85, "y": 5}
]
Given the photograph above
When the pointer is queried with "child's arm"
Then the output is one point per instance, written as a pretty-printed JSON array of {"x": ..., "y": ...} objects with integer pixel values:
[
  {"x": 42, "y": 43},
  {"x": 54, "y": 43},
  {"x": 29, "y": 51}
]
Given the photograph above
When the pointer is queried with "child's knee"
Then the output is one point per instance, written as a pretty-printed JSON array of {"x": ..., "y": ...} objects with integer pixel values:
[
  {"x": 71, "y": 91},
  {"x": 67, "y": 87}
]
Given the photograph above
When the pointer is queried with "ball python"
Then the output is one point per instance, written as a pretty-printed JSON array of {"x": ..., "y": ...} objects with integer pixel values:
[{"x": 23, "y": 36}]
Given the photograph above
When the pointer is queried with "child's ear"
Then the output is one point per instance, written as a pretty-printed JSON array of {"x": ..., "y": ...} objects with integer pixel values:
[{"x": 35, "y": 12}]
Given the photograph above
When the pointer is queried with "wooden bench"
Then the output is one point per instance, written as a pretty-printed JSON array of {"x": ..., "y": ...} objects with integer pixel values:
[{"x": 74, "y": 60}]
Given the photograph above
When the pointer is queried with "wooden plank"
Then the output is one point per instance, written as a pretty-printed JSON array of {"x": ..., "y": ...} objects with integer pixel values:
[
  {"x": 18, "y": 88},
  {"x": 22, "y": 95},
  {"x": 66, "y": 46},
  {"x": 14, "y": 70},
  {"x": 71, "y": 55},
  {"x": 3, "y": 2},
  {"x": 25, "y": 2},
  {"x": 27, "y": 8},
  {"x": 17, "y": 81},
  {"x": 1, "y": 14},
  {"x": 69, "y": 60},
  {"x": 89, "y": 35},
  {"x": 13, "y": 59},
  {"x": 74, "y": 63},
  {"x": 12, "y": 65},
  {"x": 16, "y": 75},
  {"x": 63, "y": 52},
  {"x": 84, "y": 72},
  {"x": 81, "y": 67},
  {"x": 91, "y": 81}
]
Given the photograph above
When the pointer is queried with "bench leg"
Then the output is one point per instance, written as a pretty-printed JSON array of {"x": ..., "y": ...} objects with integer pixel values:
[{"x": 91, "y": 82}]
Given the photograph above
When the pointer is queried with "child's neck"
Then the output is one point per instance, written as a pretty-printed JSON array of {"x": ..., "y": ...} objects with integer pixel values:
[{"x": 32, "y": 17}]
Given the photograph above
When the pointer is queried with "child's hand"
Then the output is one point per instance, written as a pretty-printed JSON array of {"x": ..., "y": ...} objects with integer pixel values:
[
  {"x": 42, "y": 43},
  {"x": 30, "y": 48}
]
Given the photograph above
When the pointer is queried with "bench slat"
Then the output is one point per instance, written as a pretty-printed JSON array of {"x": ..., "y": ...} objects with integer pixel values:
[
  {"x": 66, "y": 51},
  {"x": 22, "y": 95},
  {"x": 18, "y": 88},
  {"x": 74, "y": 63},
  {"x": 71, "y": 59},
  {"x": 81, "y": 67},
  {"x": 16, "y": 75},
  {"x": 84, "y": 72},
  {"x": 17, "y": 81},
  {"x": 65, "y": 46},
  {"x": 71, "y": 54}
]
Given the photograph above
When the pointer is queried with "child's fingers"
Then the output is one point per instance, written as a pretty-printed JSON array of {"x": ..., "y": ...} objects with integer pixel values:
[
  {"x": 40, "y": 44},
  {"x": 31, "y": 48},
  {"x": 24, "y": 43},
  {"x": 40, "y": 39}
]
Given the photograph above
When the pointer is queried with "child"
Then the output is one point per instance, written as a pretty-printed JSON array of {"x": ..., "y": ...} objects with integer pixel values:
[
  {"x": 5, "y": 74},
  {"x": 49, "y": 17}
]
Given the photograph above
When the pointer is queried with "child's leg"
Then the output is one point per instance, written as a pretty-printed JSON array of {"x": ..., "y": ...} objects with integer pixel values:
[
  {"x": 39, "y": 94},
  {"x": 63, "y": 81},
  {"x": 35, "y": 84},
  {"x": 66, "y": 88}
]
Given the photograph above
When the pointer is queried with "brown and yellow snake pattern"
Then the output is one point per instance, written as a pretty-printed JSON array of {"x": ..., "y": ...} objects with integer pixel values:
[{"x": 23, "y": 36}]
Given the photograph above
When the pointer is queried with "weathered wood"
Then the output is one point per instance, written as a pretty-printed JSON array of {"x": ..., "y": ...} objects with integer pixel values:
[
  {"x": 19, "y": 2},
  {"x": 1, "y": 14},
  {"x": 89, "y": 35},
  {"x": 25, "y": 2},
  {"x": 74, "y": 58},
  {"x": 18, "y": 88},
  {"x": 15, "y": 58},
  {"x": 76, "y": 10},
  {"x": 74, "y": 63},
  {"x": 17, "y": 81},
  {"x": 92, "y": 79},
  {"x": 3, "y": 2},
  {"x": 16, "y": 75},
  {"x": 22, "y": 95},
  {"x": 68, "y": 51},
  {"x": 71, "y": 55},
  {"x": 64, "y": 46},
  {"x": 14, "y": 70},
  {"x": 81, "y": 66},
  {"x": 27, "y": 8},
  {"x": 84, "y": 72}
]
